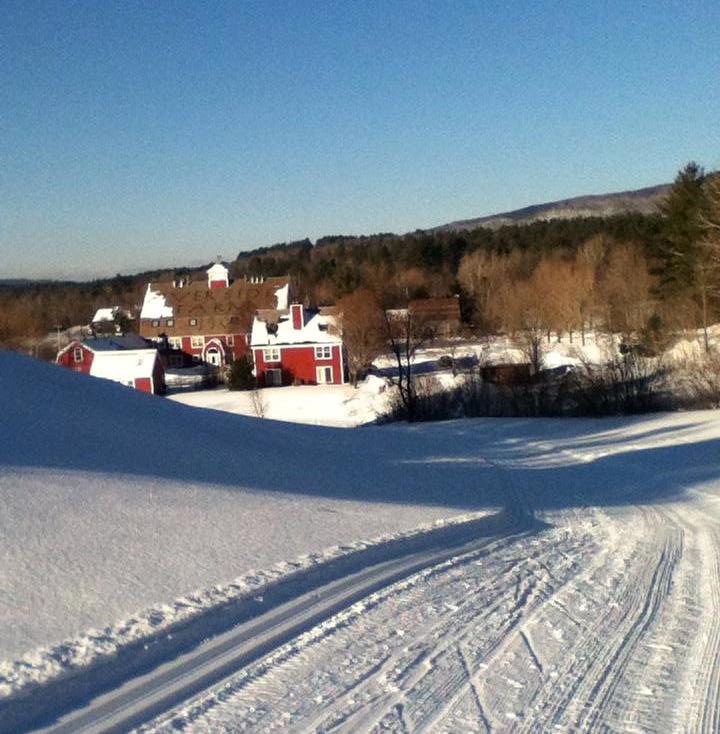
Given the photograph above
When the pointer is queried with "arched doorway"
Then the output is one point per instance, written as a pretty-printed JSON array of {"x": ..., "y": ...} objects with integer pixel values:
[{"x": 214, "y": 353}]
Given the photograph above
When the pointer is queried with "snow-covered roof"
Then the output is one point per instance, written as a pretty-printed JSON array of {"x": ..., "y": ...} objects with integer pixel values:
[
  {"x": 105, "y": 314},
  {"x": 282, "y": 295},
  {"x": 218, "y": 270},
  {"x": 155, "y": 306},
  {"x": 318, "y": 329},
  {"x": 124, "y": 366}
]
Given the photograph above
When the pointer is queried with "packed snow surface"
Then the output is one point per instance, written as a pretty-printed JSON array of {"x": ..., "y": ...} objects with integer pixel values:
[
  {"x": 605, "y": 616},
  {"x": 115, "y": 501}
]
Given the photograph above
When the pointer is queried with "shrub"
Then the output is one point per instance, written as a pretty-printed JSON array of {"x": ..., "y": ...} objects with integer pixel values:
[{"x": 240, "y": 375}]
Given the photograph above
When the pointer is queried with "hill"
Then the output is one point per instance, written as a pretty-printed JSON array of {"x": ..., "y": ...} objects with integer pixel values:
[
  {"x": 115, "y": 501},
  {"x": 643, "y": 201}
]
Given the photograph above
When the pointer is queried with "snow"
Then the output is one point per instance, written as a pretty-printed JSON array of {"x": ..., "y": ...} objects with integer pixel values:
[
  {"x": 341, "y": 406},
  {"x": 282, "y": 297},
  {"x": 217, "y": 272},
  {"x": 125, "y": 366},
  {"x": 605, "y": 617},
  {"x": 136, "y": 511},
  {"x": 104, "y": 314},
  {"x": 155, "y": 306},
  {"x": 318, "y": 329},
  {"x": 115, "y": 502}
]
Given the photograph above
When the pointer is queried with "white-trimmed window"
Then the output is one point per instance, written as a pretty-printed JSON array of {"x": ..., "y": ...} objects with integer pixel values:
[
  {"x": 193, "y": 322},
  {"x": 169, "y": 322},
  {"x": 323, "y": 352},
  {"x": 197, "y": 342},
  {"x": 271, "y": 355},
  {"x": 175, "y": 342},
  {"x": 230, "y": 340},
  {"x": 77, "y": 354},
  {"x": 324, "y": 375},
  {"x": 156, "y": 322},
  {"x": 273, "y": 378}
]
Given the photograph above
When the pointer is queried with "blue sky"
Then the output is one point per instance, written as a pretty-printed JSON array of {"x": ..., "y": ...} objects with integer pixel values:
[{"x": 142, "y": 135}]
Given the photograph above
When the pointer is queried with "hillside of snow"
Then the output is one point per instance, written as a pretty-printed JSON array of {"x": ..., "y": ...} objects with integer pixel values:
[
  {"x": 124, "y": 511},
  {"x": 114, "y": 501}
]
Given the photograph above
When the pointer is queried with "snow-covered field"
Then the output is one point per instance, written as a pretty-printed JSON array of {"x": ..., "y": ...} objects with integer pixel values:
[
  {"x": 325, "y": 405},
  {"x": 117, "y": 504},
  {"x": 345, "y": 406},
  {"x": 604, "y": 615},
  {"x": 605, "y": 619}
]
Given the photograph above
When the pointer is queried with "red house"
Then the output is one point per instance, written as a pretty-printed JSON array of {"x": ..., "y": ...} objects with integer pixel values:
[
  {"x": 128, "y": 360},
  {"x": 297, "y": 347},
  {"x": 208, "y": 320}
]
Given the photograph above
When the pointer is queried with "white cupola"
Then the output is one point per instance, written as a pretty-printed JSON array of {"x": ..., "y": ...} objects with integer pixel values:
[{"x": 218, "y": 276}]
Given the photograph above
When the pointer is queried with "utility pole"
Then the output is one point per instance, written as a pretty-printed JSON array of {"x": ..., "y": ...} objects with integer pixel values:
[{"x": 58, "y": 327}]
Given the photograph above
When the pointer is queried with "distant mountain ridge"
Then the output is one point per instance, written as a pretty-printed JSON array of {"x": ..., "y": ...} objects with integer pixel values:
[{"x": 643, "y": 201}]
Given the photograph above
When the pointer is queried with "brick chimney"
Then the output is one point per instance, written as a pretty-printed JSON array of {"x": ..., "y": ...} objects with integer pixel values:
[{"x": 298, "y": 317}]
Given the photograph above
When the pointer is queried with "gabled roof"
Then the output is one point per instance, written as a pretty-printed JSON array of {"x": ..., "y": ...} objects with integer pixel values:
[
  {"x": 219, "y": 308},
  {"x": 109, "y": 314},
  {"x": 104, "y": 314},
  {"x": 276, "y": 328},
  {"x": 101, "y": 344},
  {"x": 123, "y": 366},
  {"x": 115, "y": 343},
  {"x": 218, "y": 270}
]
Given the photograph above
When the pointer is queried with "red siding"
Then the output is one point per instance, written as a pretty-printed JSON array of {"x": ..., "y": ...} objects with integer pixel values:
[
  {"x": 67, "y": 358},
  {"x": 144, "y": 384},
  {"x": 299, "y": 364},
  {"x": 238, "y": 349},
  {"x": 218, "y": 284}
]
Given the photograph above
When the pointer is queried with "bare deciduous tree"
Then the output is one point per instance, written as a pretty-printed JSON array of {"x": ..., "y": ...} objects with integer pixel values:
[
  {"x": 406, "y": 333},
  {"x": 626, "y": 285},
  {"x": 362, "y": 327}
]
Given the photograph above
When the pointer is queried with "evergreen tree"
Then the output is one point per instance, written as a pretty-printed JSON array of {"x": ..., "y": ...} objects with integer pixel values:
[{"x": 678, "y": 248}]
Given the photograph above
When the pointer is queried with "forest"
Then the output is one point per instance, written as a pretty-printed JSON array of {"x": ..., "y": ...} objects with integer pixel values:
[{"x": 645, "y": 277}]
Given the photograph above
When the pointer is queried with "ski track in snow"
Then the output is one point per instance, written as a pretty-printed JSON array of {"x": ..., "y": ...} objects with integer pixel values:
[
  {"x": 606, "y": 621},
  {"x": 605, "y": 616}
]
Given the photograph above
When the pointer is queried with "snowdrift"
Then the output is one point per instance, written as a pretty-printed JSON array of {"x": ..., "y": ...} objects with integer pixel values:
[{"x": 124, "y": 513}]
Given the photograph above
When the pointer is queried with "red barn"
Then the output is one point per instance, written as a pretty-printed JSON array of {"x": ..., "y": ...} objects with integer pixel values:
[
  {"x": 76, "y": 356},
  {"x": 208, "y": 320},
  {"x": 128, "y": 360},
  {"x": 297, "y": 347}
]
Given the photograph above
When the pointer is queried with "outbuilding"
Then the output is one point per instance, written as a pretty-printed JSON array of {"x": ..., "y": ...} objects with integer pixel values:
[
  {"x": 129, "y": 360},
  {"x": 297, "y": 347}
]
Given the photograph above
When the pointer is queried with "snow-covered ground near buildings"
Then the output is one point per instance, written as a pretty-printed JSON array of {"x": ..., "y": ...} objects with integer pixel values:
[
  {"x": 325, "y": 405},
  {"x": 115, "y": 502},
  {"x": 604, "y": 618},
  {"x": 345, "y": 406}
]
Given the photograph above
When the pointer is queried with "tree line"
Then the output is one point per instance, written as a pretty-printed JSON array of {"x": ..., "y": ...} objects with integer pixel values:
[{"x": 645, "y": 277}]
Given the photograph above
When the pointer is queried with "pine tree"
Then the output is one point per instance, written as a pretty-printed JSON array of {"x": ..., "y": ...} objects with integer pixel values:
[{"x": 678, "y": 248}]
